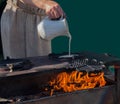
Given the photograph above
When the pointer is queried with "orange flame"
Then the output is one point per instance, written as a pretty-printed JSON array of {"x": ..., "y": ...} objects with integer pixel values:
[{"x": 76, "y": 80}]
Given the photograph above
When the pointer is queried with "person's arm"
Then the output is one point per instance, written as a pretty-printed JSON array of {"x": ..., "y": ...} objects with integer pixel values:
[{"x": 52, "y": 8}]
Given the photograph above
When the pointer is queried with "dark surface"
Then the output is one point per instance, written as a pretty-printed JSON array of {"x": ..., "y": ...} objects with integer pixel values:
[
  {"x": 91, "y": 96},
  {"x": 52, "y": 62}
]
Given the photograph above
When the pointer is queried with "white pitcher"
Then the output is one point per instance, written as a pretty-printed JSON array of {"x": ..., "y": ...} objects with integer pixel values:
[{"x": 49, "y": 29}]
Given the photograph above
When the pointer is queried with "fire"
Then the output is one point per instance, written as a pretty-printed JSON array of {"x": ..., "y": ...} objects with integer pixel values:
[{"x": 76, "y": 80}]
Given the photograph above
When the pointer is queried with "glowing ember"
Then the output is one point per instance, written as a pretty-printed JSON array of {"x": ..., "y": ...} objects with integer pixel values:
[{"x": 76, "y": 80}]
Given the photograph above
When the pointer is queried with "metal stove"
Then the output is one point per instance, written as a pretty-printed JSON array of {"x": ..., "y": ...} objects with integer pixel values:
[{"x": 23, "y": 80}]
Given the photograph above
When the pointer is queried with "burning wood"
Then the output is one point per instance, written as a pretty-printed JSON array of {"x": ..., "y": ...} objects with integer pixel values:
[{"x": 76, "y": 80}]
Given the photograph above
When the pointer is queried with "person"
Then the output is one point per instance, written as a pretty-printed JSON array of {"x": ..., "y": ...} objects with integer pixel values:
[{"x": 19, "y": 27}]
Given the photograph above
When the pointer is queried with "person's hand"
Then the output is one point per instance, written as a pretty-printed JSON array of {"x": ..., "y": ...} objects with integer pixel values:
[{"x": 53, "y": 10}]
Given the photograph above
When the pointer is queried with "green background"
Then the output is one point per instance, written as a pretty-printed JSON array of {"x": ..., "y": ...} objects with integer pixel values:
[{"x": 94, "y": 26}]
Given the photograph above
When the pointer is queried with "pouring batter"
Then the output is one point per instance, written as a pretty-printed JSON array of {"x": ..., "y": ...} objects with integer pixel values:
[{"x": 19, "y": 27}]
